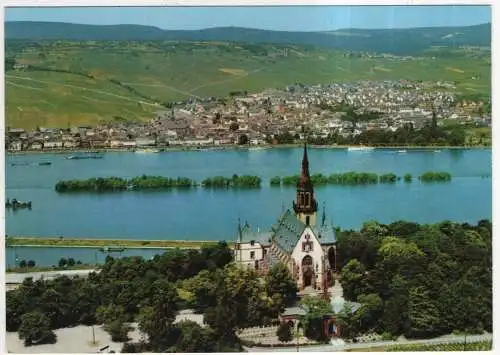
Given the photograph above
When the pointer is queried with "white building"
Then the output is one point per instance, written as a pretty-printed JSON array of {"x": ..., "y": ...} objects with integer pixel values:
[{"x": 308, "y": 248}]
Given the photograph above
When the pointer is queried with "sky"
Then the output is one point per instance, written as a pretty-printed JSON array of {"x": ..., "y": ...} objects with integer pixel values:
[{"x": 297, "y": 18}]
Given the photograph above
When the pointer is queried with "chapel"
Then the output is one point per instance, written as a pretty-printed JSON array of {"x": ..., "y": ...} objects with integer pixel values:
[{"x": 298, "y": 240}]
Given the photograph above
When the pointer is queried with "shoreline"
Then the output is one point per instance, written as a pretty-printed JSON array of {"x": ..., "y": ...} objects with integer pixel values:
[
  {"x": 34, "y": 242},
  {"x": 237, "y": 147}
]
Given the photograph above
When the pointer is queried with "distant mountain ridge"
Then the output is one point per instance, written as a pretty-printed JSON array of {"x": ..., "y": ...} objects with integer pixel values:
[{"x": 396, "y": 41}]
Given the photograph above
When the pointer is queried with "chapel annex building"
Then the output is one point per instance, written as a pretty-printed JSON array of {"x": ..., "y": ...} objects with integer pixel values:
[{"x": 308, "y": 248}]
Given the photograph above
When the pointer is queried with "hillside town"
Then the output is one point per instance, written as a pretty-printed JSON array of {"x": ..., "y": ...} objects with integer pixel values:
[{"x": 260, "y": 118}]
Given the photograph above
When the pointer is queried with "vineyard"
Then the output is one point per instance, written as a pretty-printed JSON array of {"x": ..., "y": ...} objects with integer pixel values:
[{"x": 478, "y": 346}]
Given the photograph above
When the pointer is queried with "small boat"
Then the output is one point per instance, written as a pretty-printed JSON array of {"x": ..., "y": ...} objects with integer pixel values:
[
  {"x": 19, "y": 164},
  {"x": 402, "y": 151},
  {"x": 44, "y": 163},
  {"x": 437, "y": 151},
  {"x": 148, "y": 150},
  {"x": 84, "y": 156},
  {"x": 359, "y": 149},
  {"x": 256, "y": 149},
  {"x": 15, "y": 204},
  {"x": 111, "y": 250}
]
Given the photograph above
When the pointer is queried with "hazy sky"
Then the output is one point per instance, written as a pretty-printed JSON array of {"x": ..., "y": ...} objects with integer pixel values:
[{"x": 299, "y": 18}]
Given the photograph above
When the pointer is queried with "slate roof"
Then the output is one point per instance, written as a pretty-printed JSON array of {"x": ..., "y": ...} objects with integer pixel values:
[
  {"x": 338, "y": 304},
  {"x": 247, "y": 235},
  {"x": 294, "y": 311},
  {"x": 272, "y": 259},
  {"x": 287, "y": 231},
  {"x": 326, "y": 234}
]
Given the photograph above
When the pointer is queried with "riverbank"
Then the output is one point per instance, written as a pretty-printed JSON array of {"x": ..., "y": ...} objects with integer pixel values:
[
  {"x": 41, "y": 269},
  {"x": 63, "y": 242},
  {"x": 237, "y": 147}
]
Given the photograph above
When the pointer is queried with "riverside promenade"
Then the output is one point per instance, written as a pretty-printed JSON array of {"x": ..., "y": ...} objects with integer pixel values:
[{"x": 14, "y": 279}]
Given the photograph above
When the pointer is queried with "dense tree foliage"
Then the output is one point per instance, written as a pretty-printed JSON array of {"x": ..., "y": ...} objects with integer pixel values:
[
  {"x": 410, "y": 279},
  {"x": 359, "y": 178},
  {"x": 119, "y": 184},
  {"x": 245, "y": 181},
  {"x": 126, "y": 290},
  {"x": 284, "y": 333},
  {"x": 419, "y": 280}
]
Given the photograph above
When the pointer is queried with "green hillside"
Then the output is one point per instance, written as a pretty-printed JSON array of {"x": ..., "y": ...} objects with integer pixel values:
[
  {"x": 86, "y": 82},
  {"x": 398, "y": 41}
]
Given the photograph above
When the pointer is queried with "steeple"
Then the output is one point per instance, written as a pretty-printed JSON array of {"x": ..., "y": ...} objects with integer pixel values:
[
  {"x": 323, "y": 217},
  {"x": 305, "y": 178},
  {"x": 305, "y": 206}
]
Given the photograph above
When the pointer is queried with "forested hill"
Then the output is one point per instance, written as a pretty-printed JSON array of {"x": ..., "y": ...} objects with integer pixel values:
[{"x": 397, "y": 41}]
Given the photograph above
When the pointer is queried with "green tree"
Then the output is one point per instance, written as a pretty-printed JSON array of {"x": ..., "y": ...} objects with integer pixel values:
[
  {"x": 352, "y": 278},
  {"x": 63, "y": 262},
  {"x": 279, "y": 281},
  {"x": 284, "y": 333},
  {"x": 243, "y": 139},
  {"x": 423, "y": 314},
  {"x": 35, "y": 329},
  {"x": 192, "y": 338},
  {"x": 312, "y": 322}
]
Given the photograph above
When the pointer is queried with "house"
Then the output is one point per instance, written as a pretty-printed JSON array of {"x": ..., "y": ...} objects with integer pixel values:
[
  {"x": 52, "y": 144},
  {"x": 16, "y": 145},
  {"x": 70, "y": 144},
  {"x": 145, "y": 142},
  {"x": 36, "y": 146}
]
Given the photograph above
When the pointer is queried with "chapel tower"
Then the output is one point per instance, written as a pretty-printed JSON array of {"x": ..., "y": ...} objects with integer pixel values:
[{"x": 305, "y": 205}]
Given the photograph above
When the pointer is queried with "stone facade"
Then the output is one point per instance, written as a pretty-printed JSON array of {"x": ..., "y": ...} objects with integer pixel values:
[{"x": 296, "y": 240}]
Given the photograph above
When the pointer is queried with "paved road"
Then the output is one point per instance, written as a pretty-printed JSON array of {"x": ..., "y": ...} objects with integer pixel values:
[
  {"x": 17, "y": 278},
  {"x": 447, "y": 339}
]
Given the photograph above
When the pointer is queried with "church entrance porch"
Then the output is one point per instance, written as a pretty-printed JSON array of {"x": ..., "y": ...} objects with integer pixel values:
[{"x": 308, "y": 277}]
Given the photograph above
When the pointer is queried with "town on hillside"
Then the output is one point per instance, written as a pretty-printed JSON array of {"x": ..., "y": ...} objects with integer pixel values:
[{"x": 270, "y": 117}]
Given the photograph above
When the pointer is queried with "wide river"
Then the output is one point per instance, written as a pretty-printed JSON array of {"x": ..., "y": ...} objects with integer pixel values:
[{"x": 202, "y": 214}]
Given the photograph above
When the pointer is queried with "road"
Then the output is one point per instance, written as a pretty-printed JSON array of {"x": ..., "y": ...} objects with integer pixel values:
[
  {"x": 447, "y": 339},
  {"x": 17, "y": 278}
]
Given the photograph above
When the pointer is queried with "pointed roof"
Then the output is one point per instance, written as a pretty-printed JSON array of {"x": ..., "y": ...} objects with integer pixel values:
[
  {"x": 305, "y": 177},
  {"x": 287, "y": 231}
]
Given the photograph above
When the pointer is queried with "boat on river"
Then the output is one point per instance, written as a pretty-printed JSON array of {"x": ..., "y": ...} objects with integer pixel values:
[
  {"x": 16, "y": 204},
  {"x": 85, "y": 156},
  {"x": 146, "y": 151},
  {"x": 360, "y": 149},
  {"x": 23, "y": 163},
  {"x": 111, "y": 249}
]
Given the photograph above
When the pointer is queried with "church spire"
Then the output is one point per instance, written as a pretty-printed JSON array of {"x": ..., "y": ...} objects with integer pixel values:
[
  {"x": 305, "y": 204},
  {"x": 323, "y": 217}
]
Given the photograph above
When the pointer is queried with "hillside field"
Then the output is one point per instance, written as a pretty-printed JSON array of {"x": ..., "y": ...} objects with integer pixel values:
[{"x": 99, "y": 81}]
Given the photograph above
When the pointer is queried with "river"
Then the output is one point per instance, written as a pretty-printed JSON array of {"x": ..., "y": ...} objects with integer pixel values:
[{"x": 202, "y": 214}]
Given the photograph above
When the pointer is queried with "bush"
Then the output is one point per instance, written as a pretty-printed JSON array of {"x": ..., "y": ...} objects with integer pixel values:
[
  {"x": 284, "y": 333},
  {"x": 275, "y": 181},
  {"x": 63, "y": 262},
  {"x": 438, "y": 176},
  {"x": 386, "y": 336},
  {"x": 118, "y": 331},
  {"x": 408, "y": 178},
  {"x": 22, "y": 264},
  {"x": 31, "y": 263}
]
